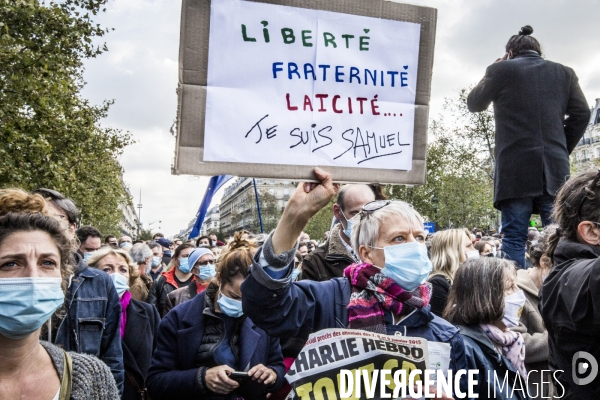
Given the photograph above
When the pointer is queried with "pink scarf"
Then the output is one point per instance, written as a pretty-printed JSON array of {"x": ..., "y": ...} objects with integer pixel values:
[
  {"x": 373, "y": 293},
  {"x": 125, "y": 299},
  {"x": 512, "y": 345}
]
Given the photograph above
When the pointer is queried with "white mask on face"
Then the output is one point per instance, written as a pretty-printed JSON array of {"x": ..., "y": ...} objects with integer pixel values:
[{"x": 513, "y": 308}]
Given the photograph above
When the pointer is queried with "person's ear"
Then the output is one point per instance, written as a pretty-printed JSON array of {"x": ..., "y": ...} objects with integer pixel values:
[
  {"x": 364, "y": 252},
  {"x": 510, "y": 54},
  {"x": 589, "y": 232},
  {"x": 337, "y": 213}
]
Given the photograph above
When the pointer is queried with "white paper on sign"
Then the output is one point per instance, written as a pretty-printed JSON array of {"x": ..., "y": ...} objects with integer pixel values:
[{"x": 307, "y": 87}]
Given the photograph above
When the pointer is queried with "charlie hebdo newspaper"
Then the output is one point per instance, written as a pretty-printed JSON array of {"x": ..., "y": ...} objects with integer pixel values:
[{"x": 353, "y": 364}]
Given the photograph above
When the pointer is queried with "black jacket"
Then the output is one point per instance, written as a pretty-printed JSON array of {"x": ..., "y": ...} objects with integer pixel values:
[
  {"x": 570, "y": 307},
  {"x": 138, "y": 345},
  {"x": 174, "y": 373},
  {"x": 531, "y": 98},
  {"x": 440, "y": 286},
  {"x": 327, "y": 261}
]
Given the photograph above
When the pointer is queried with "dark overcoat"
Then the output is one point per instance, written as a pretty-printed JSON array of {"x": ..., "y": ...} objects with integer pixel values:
[
  {"x": 540, "y": 114},
  {"x": 138, "y": 345}
]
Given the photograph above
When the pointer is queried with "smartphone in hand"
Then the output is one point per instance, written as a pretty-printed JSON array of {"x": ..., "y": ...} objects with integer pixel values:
[{"x": 240, "y": 377}]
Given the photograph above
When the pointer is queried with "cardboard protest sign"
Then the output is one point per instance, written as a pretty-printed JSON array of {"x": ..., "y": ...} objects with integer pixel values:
[
  {"x": 272, "y": 90},
  {"x": 317, "y": 372}
]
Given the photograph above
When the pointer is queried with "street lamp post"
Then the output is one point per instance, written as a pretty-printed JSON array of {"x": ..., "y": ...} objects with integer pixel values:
[{"x": 139, "y": 206}]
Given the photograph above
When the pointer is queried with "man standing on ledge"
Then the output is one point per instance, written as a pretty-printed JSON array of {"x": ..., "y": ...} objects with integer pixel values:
[{"x": 541, "y": 114}]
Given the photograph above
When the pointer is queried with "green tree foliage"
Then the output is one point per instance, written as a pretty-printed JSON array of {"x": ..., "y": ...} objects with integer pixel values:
[
  {"x": 320, "y": 222},
  {"x": 145, "y": 234},
  {"x": 460, "y": 169},
  {"x": 51, "y": 136}
]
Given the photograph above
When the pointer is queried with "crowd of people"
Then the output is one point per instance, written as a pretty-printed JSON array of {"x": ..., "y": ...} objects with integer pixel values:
[
  {"x": 87, "y": 316},
  {"x": 117, "y": 318}
]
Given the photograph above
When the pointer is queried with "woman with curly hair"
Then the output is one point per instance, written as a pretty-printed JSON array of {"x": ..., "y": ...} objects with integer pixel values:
[
  {"x": 34, "y": 273},
  {"x": 569, "y": 295}
]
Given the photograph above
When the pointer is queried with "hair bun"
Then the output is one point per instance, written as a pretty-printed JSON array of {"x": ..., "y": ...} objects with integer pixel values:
[
  {"x": 241, "y": 240},
  {"x": 526, "y": 30}
]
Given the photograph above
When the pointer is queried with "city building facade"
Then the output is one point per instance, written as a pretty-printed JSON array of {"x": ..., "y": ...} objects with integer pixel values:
[
  {"x": 211, "y": 222},
  {"x": 238, "y": 209},
  {"x": 587, "y": 152}
]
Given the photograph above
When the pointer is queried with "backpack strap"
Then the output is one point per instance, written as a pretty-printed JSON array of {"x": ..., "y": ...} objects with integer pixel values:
[
  {"x": 66, "y": 385},
  {"x": 143, "y": 393}
]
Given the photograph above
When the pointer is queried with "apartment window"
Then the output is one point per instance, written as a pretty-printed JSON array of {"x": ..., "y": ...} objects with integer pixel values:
[
  {"x": 286, "y": 192},
  {"x": 597, "y": 117},
  {"x": 598, "y": 152},
  {"x": 259, "y": 181},
  {"x": 272, "y": 181}
]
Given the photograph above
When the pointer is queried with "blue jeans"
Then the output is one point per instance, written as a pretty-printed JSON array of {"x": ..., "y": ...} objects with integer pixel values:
[{"x": 515, "y": 223}]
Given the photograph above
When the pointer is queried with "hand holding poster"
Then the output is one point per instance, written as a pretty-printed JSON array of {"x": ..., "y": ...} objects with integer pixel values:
[
  {"x": 351, "y": 364},
  {"x": 309, "y": 87},
  {"x": 272, "y": 90}
]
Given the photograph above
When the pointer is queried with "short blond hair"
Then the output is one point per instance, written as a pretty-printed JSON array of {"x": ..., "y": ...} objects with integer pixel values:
[{"x": 365, "y": 228}]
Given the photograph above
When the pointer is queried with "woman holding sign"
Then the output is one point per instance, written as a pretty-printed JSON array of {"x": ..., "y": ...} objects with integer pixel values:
[{"x": 386, "y": 293}]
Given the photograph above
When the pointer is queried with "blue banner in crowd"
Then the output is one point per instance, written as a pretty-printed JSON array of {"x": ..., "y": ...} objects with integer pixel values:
[{"x": 213, "y": 185}]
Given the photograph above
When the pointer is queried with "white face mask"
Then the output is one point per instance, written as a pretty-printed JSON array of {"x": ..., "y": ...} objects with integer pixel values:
[
  {"x": 472, "y": 254},
  {"x": 513, "y": 308},
  {"x": 494, "y": 250}
]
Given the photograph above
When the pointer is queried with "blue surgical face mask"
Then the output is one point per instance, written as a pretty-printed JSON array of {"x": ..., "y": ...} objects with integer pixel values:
[
  {"x": 295, "y": 273},
  {"x": 27, "y": 303},
  {"x": 121, "y": 283},
  {"x": 87, "y": 256},
  {"x": 122, "y": 245},
  {"x": 407, "y": 264},
  {"x": 156, "y": 262},
  {"x": 207, "y": 271},
  {"x": 348, "y": 230},
  {"x": 184, "y": 265},
  {"x": 230, "y": 307}
]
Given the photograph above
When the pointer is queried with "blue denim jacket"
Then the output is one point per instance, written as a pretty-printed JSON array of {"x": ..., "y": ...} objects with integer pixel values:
[{"x": 93, "y": 321}]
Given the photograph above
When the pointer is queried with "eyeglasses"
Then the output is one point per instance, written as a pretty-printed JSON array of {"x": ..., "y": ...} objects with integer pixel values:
[
  {"x": 588, "y": 191},
  {"x": 375, "y": 205},
  {"x": 204, "y": 263}
]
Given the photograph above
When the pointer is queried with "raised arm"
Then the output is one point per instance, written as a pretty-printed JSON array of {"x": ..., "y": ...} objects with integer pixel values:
[
  {"x": 483, "y": 94},
  {"x": 306, "y": 201},
  {"x": 269, "y": 298}
]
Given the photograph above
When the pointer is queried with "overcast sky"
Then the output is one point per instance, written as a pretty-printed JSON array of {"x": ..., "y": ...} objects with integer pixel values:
[{"x": 140, "y": 73}]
